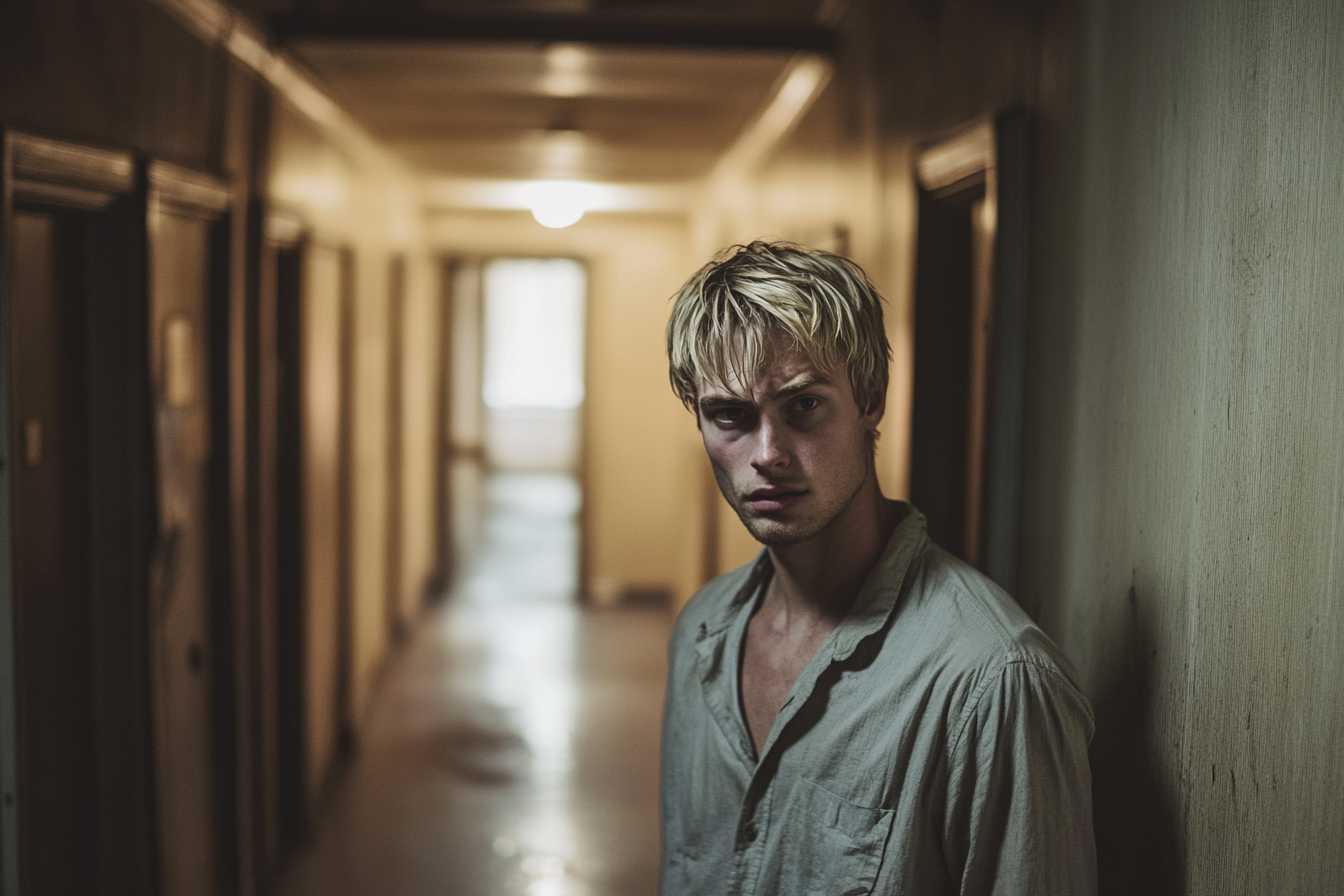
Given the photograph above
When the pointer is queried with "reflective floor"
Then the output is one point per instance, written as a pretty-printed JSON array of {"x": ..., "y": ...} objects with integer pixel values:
[{"x": 513, "y": 750}]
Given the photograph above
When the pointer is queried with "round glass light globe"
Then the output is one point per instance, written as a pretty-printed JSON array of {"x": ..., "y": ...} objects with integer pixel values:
[{"x": 557, "y": 204}]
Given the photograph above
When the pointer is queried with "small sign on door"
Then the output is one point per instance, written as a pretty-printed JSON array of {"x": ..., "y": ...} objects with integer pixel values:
[
  {"x": 179, "y": 362},
  {"x": 32, "y": 441}
]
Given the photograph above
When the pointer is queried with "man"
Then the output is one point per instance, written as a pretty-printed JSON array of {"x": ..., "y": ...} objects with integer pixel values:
[{"x": 857, "y": 711}]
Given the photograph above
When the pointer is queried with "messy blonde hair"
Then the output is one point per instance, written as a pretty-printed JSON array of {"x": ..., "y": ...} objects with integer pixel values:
[{"x": 822, "y": 303}]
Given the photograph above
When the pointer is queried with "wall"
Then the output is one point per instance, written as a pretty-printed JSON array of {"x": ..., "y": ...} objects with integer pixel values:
[
  {"x": 1184, "y": 474},
  {"x": 125, "y": 76},
  {"x": 421, "y": 403},
  {"x": 322, "y": 510},
  {"x": 642, "y": 463},
  {"x": 130, "y": 76},
  {"x": 844, "y": 179},
  {"x": 362, "y": 202},
  {"x": 111, "y": 73},
  {"x": 1186, "y": 431}
]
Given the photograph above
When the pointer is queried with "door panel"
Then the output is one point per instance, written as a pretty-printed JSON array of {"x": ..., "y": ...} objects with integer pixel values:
[
  {"x": 179, "y": 271},
  {"x": 56, "y": 720},
  {"x": 291, "y": 744},
  {"x": 81, "y": 523},
  {"x": 970, "y": 296},
  {"x": 942, "y": 421}
]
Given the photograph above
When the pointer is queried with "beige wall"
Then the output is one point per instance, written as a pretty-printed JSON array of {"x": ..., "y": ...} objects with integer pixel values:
[
  {"x": 367, "y": 475},
  {"x": 421, "y": 452},
  {"x": 643, "y": 468},
  {"x": 354, "y": 200},
  {"x": 322, "y": 538}
]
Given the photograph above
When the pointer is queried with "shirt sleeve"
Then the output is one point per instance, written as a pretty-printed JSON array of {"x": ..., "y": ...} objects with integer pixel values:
[{"x": 1019, "y": 794}]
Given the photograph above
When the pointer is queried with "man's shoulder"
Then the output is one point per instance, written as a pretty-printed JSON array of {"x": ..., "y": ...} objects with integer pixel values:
[{"x": 971, "y": 624}]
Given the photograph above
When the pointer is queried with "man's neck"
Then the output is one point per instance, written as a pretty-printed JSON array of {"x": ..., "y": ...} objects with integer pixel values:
[{"x": 816, "y": 581}]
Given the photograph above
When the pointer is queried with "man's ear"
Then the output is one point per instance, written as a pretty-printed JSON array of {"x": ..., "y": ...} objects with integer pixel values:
[{"x": 876, "y": 405}]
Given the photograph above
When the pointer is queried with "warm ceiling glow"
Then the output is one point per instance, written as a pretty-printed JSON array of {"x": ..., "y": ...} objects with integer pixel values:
[
  {"x": 557, "y": 203},
  {"x": 566, "y": 71},
  {"x": 322, "y": 189},
  {"x": 562, "y": 152},
  {"x": 807, "y": 76},
  {"x": 443, "y": 193}
]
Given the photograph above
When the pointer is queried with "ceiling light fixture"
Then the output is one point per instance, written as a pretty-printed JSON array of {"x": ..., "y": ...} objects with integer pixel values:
[{"x": 557, "y": 203}]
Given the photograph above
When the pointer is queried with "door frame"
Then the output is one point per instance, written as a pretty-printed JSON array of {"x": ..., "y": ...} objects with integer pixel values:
[
  {"x": 993, "y": 152},
  {"x": 74, "y": 177}
]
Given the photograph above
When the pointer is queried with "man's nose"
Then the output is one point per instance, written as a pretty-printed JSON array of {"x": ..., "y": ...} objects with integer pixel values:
[{"x": 771, "y": 446}]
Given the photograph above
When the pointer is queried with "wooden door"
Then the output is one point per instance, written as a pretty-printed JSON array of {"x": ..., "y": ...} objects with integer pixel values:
[
  {"x": 182, "y": 207},
  {"x": 54, "y": 616},
  {"x": 286, "y": 252},
  {"x": 970, "y": 294},
  {"x": 75, "y": 746},
  {"x": 314, "y": 332}
]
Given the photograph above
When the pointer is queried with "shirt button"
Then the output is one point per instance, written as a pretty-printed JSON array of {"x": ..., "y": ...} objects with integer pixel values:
[{"x": 750, "y": 831}]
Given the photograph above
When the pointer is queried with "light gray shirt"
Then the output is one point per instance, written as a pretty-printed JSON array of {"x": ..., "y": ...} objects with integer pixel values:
[{"x": 936, "y": 744}]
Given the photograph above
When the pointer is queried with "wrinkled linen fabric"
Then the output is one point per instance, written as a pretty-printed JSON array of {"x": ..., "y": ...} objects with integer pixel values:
[{"x": 935, "y": 744}]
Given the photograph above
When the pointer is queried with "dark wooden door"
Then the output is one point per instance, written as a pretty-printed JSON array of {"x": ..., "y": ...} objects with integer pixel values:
[
  {"x": 943, "y": 425},
  {"x": 179, "y": 274},
  {"x": 78, "y": 802},
  {"x": 970, "y": 295},
  {"x": 53, "y": 614}
]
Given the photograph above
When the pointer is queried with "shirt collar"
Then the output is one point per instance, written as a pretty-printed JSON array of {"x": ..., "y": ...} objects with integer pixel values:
[
  {"x": 877, "y": 596},
  {"x": 876, "y": 601}
]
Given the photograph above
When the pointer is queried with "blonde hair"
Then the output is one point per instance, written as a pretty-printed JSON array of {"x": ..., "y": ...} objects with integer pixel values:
[{"x": 822, "y": 303}]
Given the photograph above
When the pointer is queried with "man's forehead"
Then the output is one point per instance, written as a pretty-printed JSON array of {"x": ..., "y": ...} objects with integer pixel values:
[{"x": 776, "y": 375}]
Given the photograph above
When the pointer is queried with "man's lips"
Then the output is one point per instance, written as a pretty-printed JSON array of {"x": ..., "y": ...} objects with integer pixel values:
[{"x": 774, "y": 498}]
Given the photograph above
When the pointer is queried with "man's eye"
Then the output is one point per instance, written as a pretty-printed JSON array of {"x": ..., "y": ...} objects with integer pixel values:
[
  {"x": 807, "y": 403},
  {"x": 729, "y": 415}
]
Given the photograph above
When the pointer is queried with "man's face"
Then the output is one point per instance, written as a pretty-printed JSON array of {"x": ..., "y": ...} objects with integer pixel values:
[{"x": 789, "y": 448}]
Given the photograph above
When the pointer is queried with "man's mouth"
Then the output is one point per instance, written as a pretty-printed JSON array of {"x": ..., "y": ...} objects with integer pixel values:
[{"x": 774, "y": 498}]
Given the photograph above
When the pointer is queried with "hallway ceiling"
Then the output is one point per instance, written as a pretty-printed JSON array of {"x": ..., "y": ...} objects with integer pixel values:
[
  {"x": 605, "y": 90},
  {"x": 506, "y": 110}
]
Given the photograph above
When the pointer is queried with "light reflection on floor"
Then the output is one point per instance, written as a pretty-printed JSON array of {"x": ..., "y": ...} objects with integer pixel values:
[{"x": 513, "y": 750}]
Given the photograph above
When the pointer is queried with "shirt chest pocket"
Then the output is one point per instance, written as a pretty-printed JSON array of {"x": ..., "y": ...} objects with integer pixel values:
[{"x": 832, "y": 846}]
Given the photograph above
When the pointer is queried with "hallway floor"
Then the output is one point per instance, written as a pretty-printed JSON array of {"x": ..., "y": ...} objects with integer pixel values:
[{"x": 513, "y": 747}]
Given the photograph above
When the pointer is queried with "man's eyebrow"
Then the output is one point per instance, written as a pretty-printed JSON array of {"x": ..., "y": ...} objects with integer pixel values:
[
  {"x": 711, "y": 403},
  {"x": 714, "y": 402},
  {"x": 802, "y": 385}
]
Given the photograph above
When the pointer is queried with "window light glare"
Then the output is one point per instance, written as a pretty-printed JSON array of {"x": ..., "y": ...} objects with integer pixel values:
[{"x": 534, "y": 333}]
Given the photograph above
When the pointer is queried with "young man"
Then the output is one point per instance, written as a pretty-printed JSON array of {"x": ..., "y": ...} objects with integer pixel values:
[{"x": 856, "y": 711}]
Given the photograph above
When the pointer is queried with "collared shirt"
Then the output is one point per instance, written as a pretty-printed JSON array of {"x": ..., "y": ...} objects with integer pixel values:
[{"x": 935, "y": 744}]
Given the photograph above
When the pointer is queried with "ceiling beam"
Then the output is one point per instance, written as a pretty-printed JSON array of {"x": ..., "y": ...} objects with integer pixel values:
[{"x": 394, "y": 25}]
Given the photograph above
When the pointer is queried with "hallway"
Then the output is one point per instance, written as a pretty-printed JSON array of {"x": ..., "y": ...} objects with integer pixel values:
[
  {"x": 246, "y": 254},
  {"x": 514, "y": 745}
]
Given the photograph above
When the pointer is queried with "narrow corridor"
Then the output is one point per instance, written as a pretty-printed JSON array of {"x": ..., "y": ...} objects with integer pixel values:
[{"x": 514, "y": 746}]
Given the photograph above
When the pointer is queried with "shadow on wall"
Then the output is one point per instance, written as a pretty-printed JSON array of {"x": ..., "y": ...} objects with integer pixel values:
[{"x": 1137, "y": 823}]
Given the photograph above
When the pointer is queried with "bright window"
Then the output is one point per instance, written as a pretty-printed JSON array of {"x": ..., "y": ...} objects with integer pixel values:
[{"x": 534, "y": 333}]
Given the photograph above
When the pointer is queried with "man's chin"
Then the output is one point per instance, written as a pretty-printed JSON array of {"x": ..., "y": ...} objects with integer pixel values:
[{"x": 773, "y": 533}]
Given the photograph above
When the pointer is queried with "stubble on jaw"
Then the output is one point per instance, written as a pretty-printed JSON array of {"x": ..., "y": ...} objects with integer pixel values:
[
  {"x": 830, "y": 481},
  {"x": 772, "y": 533}
]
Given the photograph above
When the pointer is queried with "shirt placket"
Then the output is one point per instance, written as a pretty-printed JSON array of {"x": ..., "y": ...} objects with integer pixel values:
[
  {"x": 718, "y": 655},
  {"x": 754, "y": 828},
  {"x": 718, "y": 650}
]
